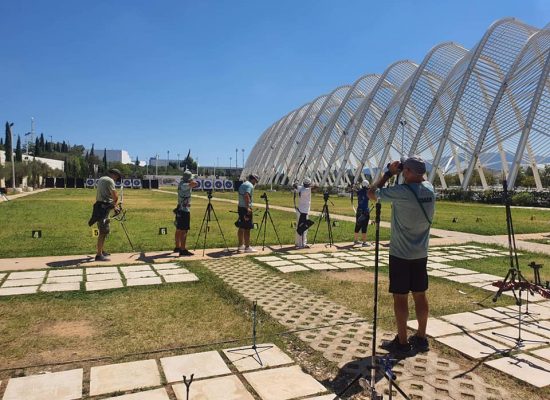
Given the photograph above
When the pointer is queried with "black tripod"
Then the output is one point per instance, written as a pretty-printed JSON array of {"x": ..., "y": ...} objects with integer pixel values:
[
  {"x": 514, "y": 278},
  {"x": 121, "y": 217},
  {"x": 325, "y": 214},
  {"x": 205, "y": 224},
  {"x": 254, "y": 346},
  {"x": 263, "y": 224},
  {"x": 385, "y": 363}
]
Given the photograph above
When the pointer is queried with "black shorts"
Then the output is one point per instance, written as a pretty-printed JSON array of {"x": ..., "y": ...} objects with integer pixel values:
[
  {"x": 183, "y": 220},
  {"x": 100, "y": 215},
  {"x": 245, "y": 219},
  {"x": 361, "y": 221},
  {"x": 408, "y": 275}
]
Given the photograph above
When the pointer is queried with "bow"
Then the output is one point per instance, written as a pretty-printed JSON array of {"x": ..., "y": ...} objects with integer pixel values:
[{"x": 186, "y": 160}]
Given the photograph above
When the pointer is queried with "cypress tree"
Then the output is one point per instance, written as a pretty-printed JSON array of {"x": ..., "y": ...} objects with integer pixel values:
[
  {"x": 9, "y": 146},
  {"x": 92, "y": 151},
  {"x": 105, "y": 159},
  {"x": 42, "y": 144},
  {"x": 37, "y": 147},
  {"x": 18, "y": 152}
]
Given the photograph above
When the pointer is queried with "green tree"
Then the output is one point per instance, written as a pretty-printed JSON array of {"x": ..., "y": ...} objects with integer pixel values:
[
  {"x": 37, "y": 148},
  {"x": 18, "y": 152},
  {"x": 105, "y": 159},
  {"x": 42, "y": 144},
  {"x": 9, "y": 145}
]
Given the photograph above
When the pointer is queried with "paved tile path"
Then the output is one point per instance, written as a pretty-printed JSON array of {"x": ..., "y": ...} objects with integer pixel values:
[
  {"x": 270, "y": 374},
  {"x": 426, "y": 376},
  {"x": 92, "y": 279}
]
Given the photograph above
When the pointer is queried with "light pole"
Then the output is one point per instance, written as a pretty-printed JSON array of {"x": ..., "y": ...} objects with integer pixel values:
[
  {"x": 168, "y": 161},
  {"x": 230, "y": 165},
  {"x": 12, "y": 158},
  {"x": 243, "y": 157},
  {"x": 236, "y": 158}
]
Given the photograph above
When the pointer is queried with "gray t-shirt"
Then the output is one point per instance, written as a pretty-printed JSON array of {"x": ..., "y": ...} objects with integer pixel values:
[
  {"x": 246, "y": 187},
  {"x": 105, "y": 188},
  {"x": 184, "y": 196},
  {"x": 410, "y": 230}
]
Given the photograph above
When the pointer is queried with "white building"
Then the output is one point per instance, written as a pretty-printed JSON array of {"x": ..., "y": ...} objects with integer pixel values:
[
  {"x": 121, "y": 156},
  {"x": 55, "y": 164}
]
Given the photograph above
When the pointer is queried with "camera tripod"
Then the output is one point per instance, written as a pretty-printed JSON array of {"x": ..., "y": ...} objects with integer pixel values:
[
  {"x": 206, "y": 224},
  {"x": 514, "y": 279},
  {"x": 377, "y": 364},
  {"x": 325, "y": 213},
  {"x": 263, "y": 224}
]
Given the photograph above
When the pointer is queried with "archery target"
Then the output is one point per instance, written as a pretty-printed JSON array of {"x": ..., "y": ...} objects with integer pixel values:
[
  {"x": 118, "y": 184},
  {"x": 207, "y": 184},
  {"x": 90, "y": 182},
  {"x": 228, "y": 185},
  {"x": 218, "y": 184},
  {"x": 199, "y": 184},
  {"x": 127, "y": 183},
  {"x": 136, "y": 183}
]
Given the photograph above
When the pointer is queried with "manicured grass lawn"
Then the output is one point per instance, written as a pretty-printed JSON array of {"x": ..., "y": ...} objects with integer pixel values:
[
  {"x": 48, "y": 327},
  {"x": 470, "y": 217},
  {"x": 63, "y": 215}
]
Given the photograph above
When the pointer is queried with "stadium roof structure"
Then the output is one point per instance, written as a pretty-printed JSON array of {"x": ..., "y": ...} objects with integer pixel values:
[{"x": 457, "y": 109}]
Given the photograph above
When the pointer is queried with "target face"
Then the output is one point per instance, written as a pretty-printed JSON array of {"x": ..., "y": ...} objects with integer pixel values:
[
  {"x": 136, "y": 183},
  {"x": 127, "y": 183},
  {"x": 90, "y": 182},
  {"x": 199, "y": 184},
  {"x": 228, "y": 185},
  {"x": 207, "y": 184},
  {"x": 218, "y": 184}
]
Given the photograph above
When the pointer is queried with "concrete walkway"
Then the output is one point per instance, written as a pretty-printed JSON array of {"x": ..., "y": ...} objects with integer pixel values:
[{"x": 24, "y": 194}]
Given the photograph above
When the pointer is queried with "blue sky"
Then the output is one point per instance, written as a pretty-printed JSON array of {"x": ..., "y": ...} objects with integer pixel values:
[{"x": 153, "y": 76}]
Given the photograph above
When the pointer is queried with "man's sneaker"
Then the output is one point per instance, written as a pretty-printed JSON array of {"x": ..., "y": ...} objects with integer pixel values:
[
  {"x": 101, "y": 257},
  {"x": 250, "y": 250},
  {"x": 105, "y": 254},
  {"x": 365, "y": 244},
  {"x": 419, "y": 344},
  {"x": 240, "y": 249},
  {"x": 396, "y": 348},
  {"x": 176, "y": 250},
  {"x": 356, "y": 242},
  {"x": 185, "y": 253}
]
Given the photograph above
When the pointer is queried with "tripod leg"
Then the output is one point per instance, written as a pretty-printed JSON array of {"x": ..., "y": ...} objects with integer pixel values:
[
  {"x": 330, "y": 237},
  {"x": 219, "y": 226},
  {"x": 274, "y": 229},
  {"x": 208, "y": 209},
  {"x": 200, "y": 230}
]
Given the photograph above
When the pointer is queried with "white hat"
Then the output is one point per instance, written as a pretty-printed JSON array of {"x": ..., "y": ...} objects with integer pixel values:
[
  {"x": 365, "y": 184},
  {"x": 307, "y": 182}
]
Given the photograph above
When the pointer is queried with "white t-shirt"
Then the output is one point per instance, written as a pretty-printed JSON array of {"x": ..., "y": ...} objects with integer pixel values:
[{"x": 304, "y": 199}]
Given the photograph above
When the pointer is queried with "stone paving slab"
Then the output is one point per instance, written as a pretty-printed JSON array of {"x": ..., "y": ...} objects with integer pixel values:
[
  {"x": 440, "y": 259},
  {"x": 202, "y": 365},
  {"x": 294, "y": 257},
  {"x": 471, "y": 321},
  {"x": 321, "y": 266},
  {"x": 173, "y": 271},
  {"x": 166, "y": 266},
  {"x": 27, "y": 275},
  {"x": 527, "y": 368},
  {"x": 135, "y": 268},
  {"x": 181, "y": 278},
  {"x": 65, "y": 279},
  {"x": 65, "y": 385},
  {"x": 125, "y": 376},
  {"x": 267, "y": 355},
  {"x": 21, "y": 282},
  {"x": 65, "y": 272},
  {"x": 542, "y": 353},
  {"x": 292, "y": 268},
  {"x": 347, "y": 265},
  {"x": 267, "y": 383},
  {"x": 308, "y": 261},
  {"x": 139, "y": 274},
  {"x": 222, "y": 388},
  {"x": 143, "y": 281},
  {"x": 436, "y": 327},
  {"x": 267, "y": 258},
  {"x": 280, "y": 263},
  {"x": 317, "y": 255},
  {"x": 509, "y": 334},
  {"x": 440, "y": 273},
  {"x": 156, "y": 394},
  {"x": 101, "y": 270},
  {"x": 18, "y": 290},
  {"x": 103, "y": 277},
  {"x": 463, "y": 278},
  {"x": 461, "y": 271},
  {"x": 473, "y": 345},
  {"x": 437, "y": 265},
  {"x": 2, "y": 275},
  {"x": 103, "y": 285},
  {"x": 541, "y": 328},
  {"x": 60, "y": 287}
]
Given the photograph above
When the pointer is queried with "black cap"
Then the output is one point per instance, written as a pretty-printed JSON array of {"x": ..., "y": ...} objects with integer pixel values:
[{"x": 114, "y": 171}]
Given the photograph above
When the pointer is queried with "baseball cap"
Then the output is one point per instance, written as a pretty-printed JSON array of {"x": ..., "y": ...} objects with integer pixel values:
[
  {"x": 114, "y": 171},
  {"x": 307, "y": 182},
  {"x": 415, "y": 164},
  {"x": 187, "y": 175},
  {"x": 365, "y": 184},
  {"x": 253, "y": 176}
]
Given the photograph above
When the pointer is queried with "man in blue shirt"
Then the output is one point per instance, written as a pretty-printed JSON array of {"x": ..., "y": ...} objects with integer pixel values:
[
  {"x": 412, "y": 212},
  {"x": 245, "y": 222},
  {"x": 362, "y": 215}
]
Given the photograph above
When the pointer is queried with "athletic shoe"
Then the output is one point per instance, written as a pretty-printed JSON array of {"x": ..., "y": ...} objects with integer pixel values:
[
  {"x": 185, "y": 253},
  {"x": 101, "y": 257},
  {"x": 366, "y": 244},
  {"x": 396, "y": 348},
  {"x": 240, "y": 249},
  {"x": 105, "y": 254},
  {"x": 250, "y": 250},
  {"x": 356, "y": 243},
  {"x": 176, "y": 250},
  {"x": 419, "y": 344}
]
